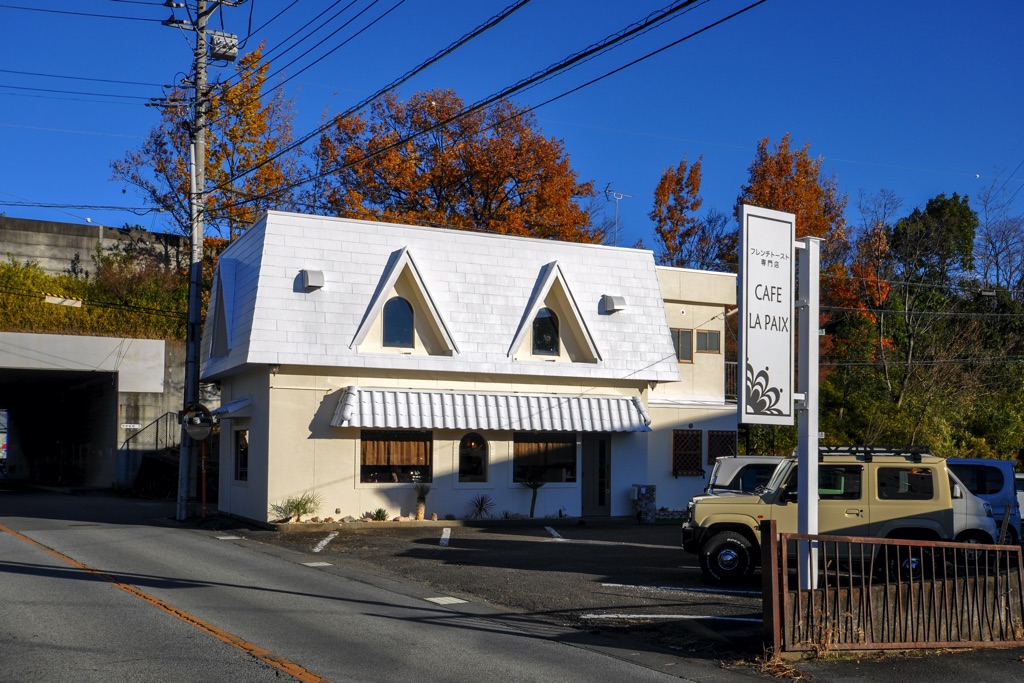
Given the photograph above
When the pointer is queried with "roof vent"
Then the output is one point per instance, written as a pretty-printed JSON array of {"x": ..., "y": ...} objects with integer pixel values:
[
  {"x": 312, "y": 279},
  {"x": 611, "y": 304}
]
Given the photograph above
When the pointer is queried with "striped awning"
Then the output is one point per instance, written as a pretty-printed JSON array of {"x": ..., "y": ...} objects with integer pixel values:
[{"x": 411, "y": 409}]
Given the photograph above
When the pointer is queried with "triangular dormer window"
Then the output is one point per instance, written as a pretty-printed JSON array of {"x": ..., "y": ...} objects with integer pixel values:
[
  {"x": 552, "y": 326},
  {"x": 402, "y": 316},
  {"x": 220, "y": 342}
]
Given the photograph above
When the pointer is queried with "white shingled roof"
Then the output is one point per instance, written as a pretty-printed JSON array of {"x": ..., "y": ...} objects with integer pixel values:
[{"x": 480, "y": 288}]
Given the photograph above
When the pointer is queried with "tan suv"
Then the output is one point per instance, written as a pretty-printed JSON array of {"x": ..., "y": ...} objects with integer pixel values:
[{"x": 860, "y": 494}]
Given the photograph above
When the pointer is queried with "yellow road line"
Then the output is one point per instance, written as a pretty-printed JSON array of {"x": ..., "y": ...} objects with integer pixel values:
[{"x": 280, "y": 663}]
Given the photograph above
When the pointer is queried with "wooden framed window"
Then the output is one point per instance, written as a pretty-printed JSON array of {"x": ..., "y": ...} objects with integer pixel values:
[
  {"x": 544, "y": 456},
  {"x": 709, "y": 341},
  {"x": 721, "y": 443},
  {"x": 391, "y": 455},
  {"x": 686, "y": 453},
  {"x": 682, "y": 340}
]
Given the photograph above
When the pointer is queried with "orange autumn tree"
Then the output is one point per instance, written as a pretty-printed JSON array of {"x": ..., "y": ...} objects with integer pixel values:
[
  {"x": 425, "y": 161},
  {"x": 676, "y": 200},
  {"x": 786, "y": 179},
  {"x": 686, "y": 240},
  {"x": 244, "y": 129}
]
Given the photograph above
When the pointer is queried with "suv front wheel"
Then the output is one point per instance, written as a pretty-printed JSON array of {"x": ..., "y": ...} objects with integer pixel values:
[{"x": 727, "y": 557}]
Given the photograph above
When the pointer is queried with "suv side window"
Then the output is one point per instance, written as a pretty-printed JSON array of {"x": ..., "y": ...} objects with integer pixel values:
[
  {"x": 905, "y": 483},
  {"x": 752, "y": 476},
  {"x": 835, "y": 482},
  {"x": 839, "y": 482}
]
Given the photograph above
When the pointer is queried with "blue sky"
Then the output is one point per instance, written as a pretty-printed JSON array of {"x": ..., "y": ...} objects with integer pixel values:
[{"x": 919, "y": 97}]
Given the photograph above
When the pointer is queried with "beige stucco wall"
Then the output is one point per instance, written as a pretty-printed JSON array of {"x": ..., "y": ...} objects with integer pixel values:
[
  {"x": 674, "y": 492},
  {"x": 291, "y": 412},
  {"x": 698, "y": 300},
  {"x": 694, "y": 300}
]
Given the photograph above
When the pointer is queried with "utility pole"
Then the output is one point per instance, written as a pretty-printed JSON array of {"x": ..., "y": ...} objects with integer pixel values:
[{"x": 197, "y": 195}]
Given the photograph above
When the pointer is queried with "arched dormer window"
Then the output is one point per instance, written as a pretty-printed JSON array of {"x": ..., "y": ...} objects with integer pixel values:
[
  {"x": 473, "y": 458},
  {"x": 545, "y": 333},
  {"x": 398, "y": 324}
]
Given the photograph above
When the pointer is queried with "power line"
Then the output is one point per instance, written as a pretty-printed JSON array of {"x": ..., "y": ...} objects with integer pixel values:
[
  {"x": 68, "y": 99},
  {"x": 78, "y": 14},
  {"x": 441, "y": 54},
  {"x": 74, "y": 92},
  {"x": 99, "y": 304},
  {"x": 643, "y": 25},
  {"x": 78, "y": 78},
  {"x": 924, "y": 314},
  {"x": 279, "y": 85},
  {"x": 137, "y": 210}
]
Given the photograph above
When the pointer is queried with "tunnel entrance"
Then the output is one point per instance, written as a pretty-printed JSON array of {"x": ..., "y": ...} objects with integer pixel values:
[{"x": 61, "y": 426}]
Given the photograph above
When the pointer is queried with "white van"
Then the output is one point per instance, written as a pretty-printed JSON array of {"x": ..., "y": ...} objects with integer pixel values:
[
  {"x": 743, "y": 473},
  {"x": 992, "y": 480},
  {"x": 972, "y": 515}
]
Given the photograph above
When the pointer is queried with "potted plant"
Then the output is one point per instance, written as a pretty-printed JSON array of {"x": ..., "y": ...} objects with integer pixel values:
[{"x": 421, "y": 501}]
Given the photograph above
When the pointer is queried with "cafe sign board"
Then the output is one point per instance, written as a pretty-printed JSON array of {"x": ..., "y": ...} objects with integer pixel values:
[{"x": 766, "y": 308}]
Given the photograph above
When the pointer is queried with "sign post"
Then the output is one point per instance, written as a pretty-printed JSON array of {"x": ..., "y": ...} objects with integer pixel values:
[
  {"x": 766, "y": 316},
  {"x": 808, "y": 308},
  {"x": 766, "y": 350}
]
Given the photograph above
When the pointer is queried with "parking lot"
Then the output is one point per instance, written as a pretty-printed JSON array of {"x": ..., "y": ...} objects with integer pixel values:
[
  {"x": 627, "y": 582},
  {"x": 614, "y": 577}
]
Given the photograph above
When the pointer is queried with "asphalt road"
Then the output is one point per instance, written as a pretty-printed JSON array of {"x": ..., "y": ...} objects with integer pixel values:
[
  {"x": 100, "y": 589},
  {"x": 364, "y": 602}
]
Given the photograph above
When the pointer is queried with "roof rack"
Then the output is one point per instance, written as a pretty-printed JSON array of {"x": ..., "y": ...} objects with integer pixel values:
[{"x": 915, "y": 453}]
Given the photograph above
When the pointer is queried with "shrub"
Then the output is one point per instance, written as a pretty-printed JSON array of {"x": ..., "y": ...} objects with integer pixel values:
[
  {"x": 379, "y": 515},
  {"x": 482, "y": 506},
  {"x": 306, "y": 504}
]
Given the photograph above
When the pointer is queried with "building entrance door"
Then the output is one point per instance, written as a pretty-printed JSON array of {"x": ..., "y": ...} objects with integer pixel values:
[{"x": 597, "y": 475}]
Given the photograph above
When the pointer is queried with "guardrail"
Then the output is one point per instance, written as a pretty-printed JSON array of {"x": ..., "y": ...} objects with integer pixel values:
[
  {"x": 879, "y": 594},
  {"x": 731, "y": 381}
]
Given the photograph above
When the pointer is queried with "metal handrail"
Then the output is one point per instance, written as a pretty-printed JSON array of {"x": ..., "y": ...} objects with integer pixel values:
[{"x": 166, "y": 431}]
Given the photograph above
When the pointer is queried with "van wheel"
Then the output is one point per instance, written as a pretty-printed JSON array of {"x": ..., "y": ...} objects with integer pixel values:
[
  {"x": 972, "y": 537},
  {"x": 727, "y": 557}
]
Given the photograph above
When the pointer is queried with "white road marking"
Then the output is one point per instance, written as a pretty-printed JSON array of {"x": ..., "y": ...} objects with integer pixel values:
[
  {"x": 554, "y": 534},
  {"x": 317, "y": 564},
  {"x": 446, "y": 535},
  {"x": 228, "y": 538},
  {"x": 728, "y": 591},
  {"x": 749, "y": 620},
  {"x": 445, "y": 600},
  {"x": 323, "y": 544}
]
